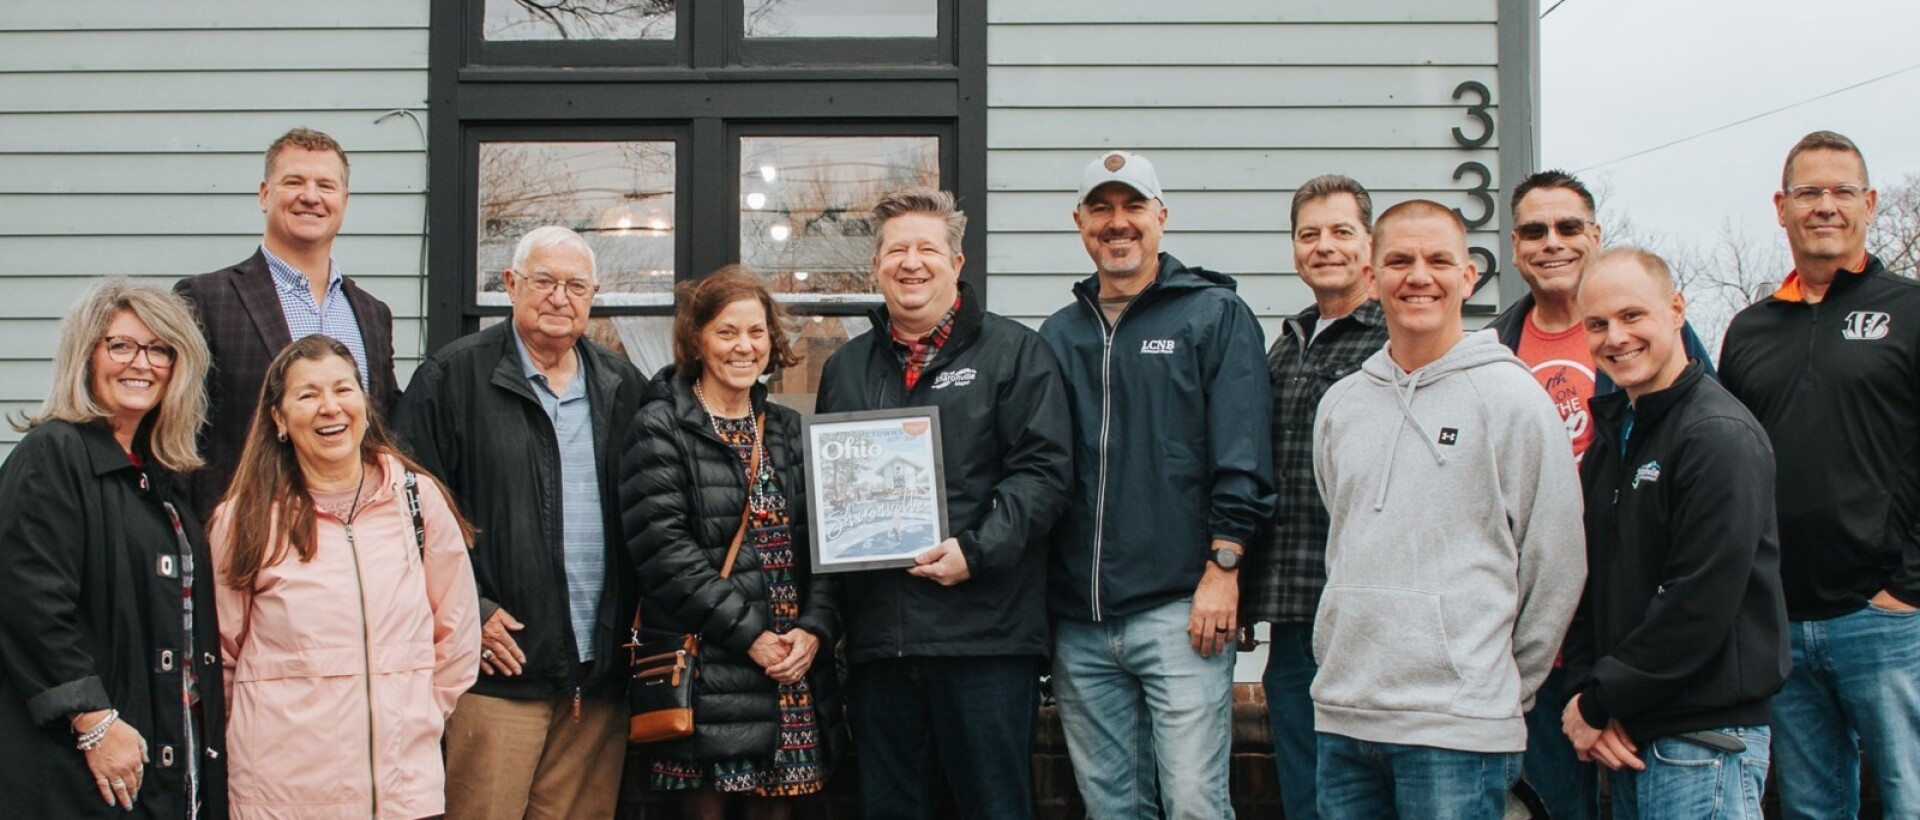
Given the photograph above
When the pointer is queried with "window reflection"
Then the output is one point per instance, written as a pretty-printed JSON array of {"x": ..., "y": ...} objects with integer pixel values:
[
  {"x": 619, "y": 195},
  {"x": 841, "y": 18},
  {"x": 804, "y": 208},
  {"x": 510, "y": 20}
]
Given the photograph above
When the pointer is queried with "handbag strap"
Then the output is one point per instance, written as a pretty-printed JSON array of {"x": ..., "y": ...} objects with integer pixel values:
[{"x": 739, "y": 535}]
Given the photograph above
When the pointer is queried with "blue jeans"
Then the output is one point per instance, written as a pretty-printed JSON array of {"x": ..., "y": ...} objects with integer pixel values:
[
  {"x": 1288, "y": 678},
  {"x": 1684, "y": 781},
  {"x": 1137, "y": 702},
  {"x": 1855, "y": 685},
  {"x": 1568, "y": 788},
  {"x": 1368, "y": 781},
  {"x": 970, "y": 719}
]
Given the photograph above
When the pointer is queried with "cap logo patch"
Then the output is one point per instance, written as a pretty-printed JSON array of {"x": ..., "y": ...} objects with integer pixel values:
[{"x": 1116, "y": 161}]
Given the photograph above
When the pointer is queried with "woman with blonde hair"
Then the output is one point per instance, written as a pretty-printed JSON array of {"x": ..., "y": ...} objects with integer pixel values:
[
  {"x": 109, "y": 699},
  {"x": 348, "y": 617}
]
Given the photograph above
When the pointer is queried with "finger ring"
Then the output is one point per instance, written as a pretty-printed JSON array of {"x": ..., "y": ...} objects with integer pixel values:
[
  {"x": 119, "y": 784},
  {"x": 486, "y": 654},
  {"x": 1221, "y": 629}
]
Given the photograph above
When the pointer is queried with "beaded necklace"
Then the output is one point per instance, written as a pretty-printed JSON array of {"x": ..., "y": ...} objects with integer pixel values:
[{"x": 754, "y": 499}]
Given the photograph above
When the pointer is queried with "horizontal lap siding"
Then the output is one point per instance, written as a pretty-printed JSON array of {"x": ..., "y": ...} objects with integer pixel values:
[
  {"x": 131, "y": 136},
  {"x": 1237, "y": 102}
]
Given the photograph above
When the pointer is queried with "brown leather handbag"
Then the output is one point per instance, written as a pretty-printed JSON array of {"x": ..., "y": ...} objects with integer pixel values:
[{"x": 660, "y": 693}]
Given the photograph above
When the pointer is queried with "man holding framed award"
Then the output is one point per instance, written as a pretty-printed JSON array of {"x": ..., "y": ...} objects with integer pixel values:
[{"x": 945, "y": 654}]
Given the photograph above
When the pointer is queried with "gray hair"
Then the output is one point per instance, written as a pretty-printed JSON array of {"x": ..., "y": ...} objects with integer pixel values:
[
  {"x": 1822, "y": 141},
  {"x": 183, "y": 406},
  {"x": 548, "y": 236},
  {"x": 920, "y": 200},
  {"x": 1327, "y": 185}
]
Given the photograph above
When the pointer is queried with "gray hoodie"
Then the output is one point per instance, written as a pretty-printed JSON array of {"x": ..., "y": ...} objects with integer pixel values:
[{"x": 1456, "y": 554}]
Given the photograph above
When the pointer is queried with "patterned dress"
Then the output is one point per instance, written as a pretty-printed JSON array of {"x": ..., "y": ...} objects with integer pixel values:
[{"x": 795, "y": 766}]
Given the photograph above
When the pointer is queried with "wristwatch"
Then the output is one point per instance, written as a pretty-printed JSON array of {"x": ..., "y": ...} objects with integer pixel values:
[{"x": 1226, "y": 558}]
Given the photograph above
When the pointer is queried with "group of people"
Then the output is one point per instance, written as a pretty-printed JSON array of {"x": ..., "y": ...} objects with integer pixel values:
[{"x": 248, "y": 575}]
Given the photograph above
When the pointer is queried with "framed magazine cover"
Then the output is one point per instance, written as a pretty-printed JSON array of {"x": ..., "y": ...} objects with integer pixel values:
[{"x": 876, "y": 487}]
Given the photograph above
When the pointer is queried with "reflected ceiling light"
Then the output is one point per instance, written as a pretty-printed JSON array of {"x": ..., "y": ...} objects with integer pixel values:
[
  {"x": 768, "y": 173},
  {"x": 618, "y": 219},
  {"x": 756, "y": 200},
  {"x": 779, "y": 233},
  {"x": 801, "y": 276}
]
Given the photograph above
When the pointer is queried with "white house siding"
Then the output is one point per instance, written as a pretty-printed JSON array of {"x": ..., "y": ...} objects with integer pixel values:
[
  {"x": 1237, "y": 102},
  {"x": 131, "y": 137}
]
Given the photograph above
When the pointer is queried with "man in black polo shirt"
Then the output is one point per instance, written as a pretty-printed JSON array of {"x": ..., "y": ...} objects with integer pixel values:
[
  {"x": 1830, "y": 364},
  {"x": 1680, "y": 639}
]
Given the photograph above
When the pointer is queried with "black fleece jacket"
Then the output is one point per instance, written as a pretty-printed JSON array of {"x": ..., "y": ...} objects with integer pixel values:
[{"x": 1682, "y": 626}]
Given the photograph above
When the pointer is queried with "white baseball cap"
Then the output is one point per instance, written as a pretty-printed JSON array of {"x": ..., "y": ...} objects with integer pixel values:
[{"x": 1125, "y": 167}]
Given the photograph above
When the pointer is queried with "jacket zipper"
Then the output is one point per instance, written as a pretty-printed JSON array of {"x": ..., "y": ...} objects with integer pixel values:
[
  {"x": 366, "y": 659},
  {"x": 1108, "y": 331}
]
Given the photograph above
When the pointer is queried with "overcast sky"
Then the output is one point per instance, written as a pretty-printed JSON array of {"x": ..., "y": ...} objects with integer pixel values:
[{"x": 1619, "y": 76}]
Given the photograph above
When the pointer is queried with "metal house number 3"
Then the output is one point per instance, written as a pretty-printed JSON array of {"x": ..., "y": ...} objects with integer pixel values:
[{"x": 1482, "y": 190}]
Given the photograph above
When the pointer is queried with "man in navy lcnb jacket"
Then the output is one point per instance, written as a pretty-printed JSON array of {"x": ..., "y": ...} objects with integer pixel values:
[
  {"x": 1681, "y": 637},
  {"x": 1830, "y": 364},
  {"x": 1173, "y": 476}
]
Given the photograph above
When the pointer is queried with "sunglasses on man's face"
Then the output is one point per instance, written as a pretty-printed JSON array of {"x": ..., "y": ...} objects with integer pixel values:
[{"x": 1570, "y": 227}]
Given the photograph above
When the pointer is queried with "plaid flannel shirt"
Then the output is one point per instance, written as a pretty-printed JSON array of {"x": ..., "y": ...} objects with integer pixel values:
[
  {"x": 914, "y": 354},
  {"x": 1282, "y": 583}
]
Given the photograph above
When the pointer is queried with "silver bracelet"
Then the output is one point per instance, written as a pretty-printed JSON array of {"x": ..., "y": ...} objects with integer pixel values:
[{"x": 91, "y": 738}]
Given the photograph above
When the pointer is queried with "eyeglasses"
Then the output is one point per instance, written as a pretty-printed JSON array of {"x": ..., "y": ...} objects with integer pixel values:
[
  {"x": 1807, "y": 196},
  {"x": 576, "y": 288},
  {"x": 123, "y": 350},
  {"x": 1569, "y": 227}
]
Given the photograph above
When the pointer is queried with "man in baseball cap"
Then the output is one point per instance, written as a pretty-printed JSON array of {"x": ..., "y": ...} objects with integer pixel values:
[{"x": 1167, "y": 384}]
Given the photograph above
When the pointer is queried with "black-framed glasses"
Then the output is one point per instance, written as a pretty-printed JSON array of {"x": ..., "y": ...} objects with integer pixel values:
[
  {"x": 1807, "y": 196},
  {"x": 124, "y": 350},
  {"x": 1569, "y": 227},
  {"x": 576, "y": 288}
]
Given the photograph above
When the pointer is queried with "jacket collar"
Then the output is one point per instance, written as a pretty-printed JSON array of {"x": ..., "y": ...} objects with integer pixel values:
[
  {"x": 103, "y": 450},
  {"x": 1651, "y": 407},
  {"x": 1790, "y": 293},
  {"x": 262, "y": 302},
  {"x": 1172, "y": 275},
  {"x": 1369, "y": 313},
  {"x": 670, "y": 385},
  {"x": 966, "y": 326}
]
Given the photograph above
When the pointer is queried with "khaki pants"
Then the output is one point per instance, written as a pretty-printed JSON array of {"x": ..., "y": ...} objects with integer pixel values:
[{"x": 514, "y": 759}]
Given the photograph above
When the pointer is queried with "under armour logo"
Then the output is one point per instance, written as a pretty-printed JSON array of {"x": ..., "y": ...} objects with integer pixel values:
[
  {"x": 1449, "y": 436},
  {"x": 1863, "y": 325}
]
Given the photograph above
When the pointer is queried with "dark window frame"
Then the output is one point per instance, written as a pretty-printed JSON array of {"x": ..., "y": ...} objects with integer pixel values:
[{"x": 712, "y": 98}]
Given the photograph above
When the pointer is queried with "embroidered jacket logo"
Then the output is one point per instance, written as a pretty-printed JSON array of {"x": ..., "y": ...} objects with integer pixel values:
[
  {"x": 1157, "y": 346},
  {"x": 1863, "y": 325},
  {"x": 1648, "y": 472},
  {"x": 954, "y": 378}
]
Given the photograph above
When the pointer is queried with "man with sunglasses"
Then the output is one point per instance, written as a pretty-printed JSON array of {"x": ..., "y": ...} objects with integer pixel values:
[
  {"x": 1830, "y": 365},
  {"x": 289, "y": 288},
  {"x": 1554, "y": 237}
]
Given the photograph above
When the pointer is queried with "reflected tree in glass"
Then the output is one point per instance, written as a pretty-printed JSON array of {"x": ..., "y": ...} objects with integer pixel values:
[
  {"x": 619, "y": 195},
  {"x": 509, "y": 20},
  {"x": 805, "y": 203},
  {"x": 841, "y": 18}
]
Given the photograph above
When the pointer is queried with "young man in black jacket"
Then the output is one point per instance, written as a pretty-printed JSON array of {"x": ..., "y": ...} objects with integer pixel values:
[
  {"x": 1680, "y": 639},
  {"x": 1830, "y": 364},
  {"x": 945, "y": 656}
]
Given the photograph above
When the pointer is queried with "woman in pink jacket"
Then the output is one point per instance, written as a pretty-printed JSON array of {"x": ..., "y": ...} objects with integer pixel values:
[{"x": 348, "y": 617}]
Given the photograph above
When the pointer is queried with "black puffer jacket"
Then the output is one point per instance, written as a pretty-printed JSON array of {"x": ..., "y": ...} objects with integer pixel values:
[{"x": 681, "y": 498}]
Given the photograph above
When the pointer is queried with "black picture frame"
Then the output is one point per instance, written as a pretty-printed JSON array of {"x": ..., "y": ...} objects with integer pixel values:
[{"x": 853, "y": 517}]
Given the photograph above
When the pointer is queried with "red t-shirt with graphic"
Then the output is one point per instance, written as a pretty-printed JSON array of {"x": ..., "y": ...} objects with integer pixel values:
[{"x": 1563, "y": 366}]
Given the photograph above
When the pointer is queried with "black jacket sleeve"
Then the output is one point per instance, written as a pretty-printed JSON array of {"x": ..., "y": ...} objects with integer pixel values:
[
  {"x": 42, "y": 510},
  {"x": 1239, "y": 426},
  {"x": 1034, "y": 426},
  {"x": 660, "y": 510},
  {"x": 1723, "y": 486},
  {"x": 423, "y": 428}
]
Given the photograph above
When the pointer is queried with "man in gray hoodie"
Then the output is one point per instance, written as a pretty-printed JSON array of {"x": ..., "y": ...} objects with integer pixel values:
[{"x": 1455, "y": 556}]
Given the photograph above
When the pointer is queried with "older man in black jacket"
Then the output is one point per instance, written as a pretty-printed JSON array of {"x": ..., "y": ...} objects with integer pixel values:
[
  {"x": 1681, "y": 638},
  {"x": 946, "y": 655},
  {"x": 525, "y": 422}
]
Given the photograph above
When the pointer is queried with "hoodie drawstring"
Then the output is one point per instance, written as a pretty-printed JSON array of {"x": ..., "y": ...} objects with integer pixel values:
[{"x": 1406, "y": 411}]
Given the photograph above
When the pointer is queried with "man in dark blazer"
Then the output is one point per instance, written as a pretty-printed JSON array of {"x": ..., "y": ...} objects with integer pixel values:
[{"x": 251, "y": 310}]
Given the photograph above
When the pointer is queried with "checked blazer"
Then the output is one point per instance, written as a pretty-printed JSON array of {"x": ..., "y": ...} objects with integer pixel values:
[{"x": 239, "y": 313}]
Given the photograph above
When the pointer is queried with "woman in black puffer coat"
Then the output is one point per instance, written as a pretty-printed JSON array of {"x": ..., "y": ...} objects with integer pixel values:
[{"x": 765, "y": 701}]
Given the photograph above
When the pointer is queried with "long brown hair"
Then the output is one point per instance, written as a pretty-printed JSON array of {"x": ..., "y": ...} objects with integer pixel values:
[
  {"x": 268, "y": 496},
  {"x": 702, "y": 300}
]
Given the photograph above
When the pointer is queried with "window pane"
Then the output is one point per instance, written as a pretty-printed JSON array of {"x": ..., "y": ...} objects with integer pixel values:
[
  {"x": 804, "y": 207},
  {"x": 619, "y": 195},
  {"x": 815, "y": 338},
  {"x": 841, "y": 18},
  {"x": 509, "y": 20}
]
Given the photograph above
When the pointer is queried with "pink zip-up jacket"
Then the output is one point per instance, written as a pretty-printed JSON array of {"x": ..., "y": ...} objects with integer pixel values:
[{"x": 341, "y": 671}]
